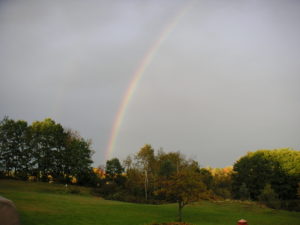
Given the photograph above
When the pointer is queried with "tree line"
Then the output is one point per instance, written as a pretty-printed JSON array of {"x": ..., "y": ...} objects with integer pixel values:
[
  {"x": 271, "y": 177},
  {"x": 154, "y": 178},
  {"x": 46, "y": 151},
  {"x": 43, "y": 150}
]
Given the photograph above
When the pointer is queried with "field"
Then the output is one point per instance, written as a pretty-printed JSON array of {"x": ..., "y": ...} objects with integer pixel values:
[{"x": 43, "y": 204}]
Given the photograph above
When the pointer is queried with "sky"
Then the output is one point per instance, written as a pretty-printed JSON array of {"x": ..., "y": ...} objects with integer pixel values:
[{"x": 223, "y": 77}]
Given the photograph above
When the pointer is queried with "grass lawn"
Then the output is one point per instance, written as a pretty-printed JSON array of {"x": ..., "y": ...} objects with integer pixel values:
[{"x": 43, "y": 204}]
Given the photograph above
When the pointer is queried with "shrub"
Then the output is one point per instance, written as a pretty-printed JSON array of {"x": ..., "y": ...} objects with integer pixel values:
[
  {"x": 291, "y": 205},
  {"x": 269, "y": 197}
]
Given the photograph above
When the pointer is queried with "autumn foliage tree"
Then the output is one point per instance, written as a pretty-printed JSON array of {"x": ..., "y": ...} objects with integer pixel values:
[{"x": 183, "y": 187}]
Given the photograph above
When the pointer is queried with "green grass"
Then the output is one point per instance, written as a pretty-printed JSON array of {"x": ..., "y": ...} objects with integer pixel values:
[{"x": 43, "y": 204}]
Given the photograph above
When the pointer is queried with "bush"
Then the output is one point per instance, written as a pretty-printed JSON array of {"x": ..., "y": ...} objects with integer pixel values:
[
  {"x": 269, "y": 197},
  {"x": 291, "y": 205},
  {"x": 106, "y": 189},
  {"x": 2, "y": 175},
  {"x": 223, "y": 193}
]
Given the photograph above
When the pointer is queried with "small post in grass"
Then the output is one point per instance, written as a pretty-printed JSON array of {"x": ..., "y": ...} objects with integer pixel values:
[{"x": 242, "y": 222}]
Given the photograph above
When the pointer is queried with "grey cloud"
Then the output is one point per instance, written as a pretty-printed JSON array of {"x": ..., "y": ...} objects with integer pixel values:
[{"x": 225, "y": 80}]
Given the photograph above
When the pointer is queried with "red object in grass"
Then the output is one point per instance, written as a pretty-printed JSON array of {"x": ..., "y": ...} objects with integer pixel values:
[{"x": 242, "y": 222}]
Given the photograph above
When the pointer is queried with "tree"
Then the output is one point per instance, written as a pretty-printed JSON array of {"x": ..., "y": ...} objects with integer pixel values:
[
  {"x": 177, "y": 160},
  {"x": 253, "y": 170},
  {"x": 75, "y": 157},
  {"x": 146, "y": 159},
  {"x": 23, "y": 156},
  {"x": 280, "y": 168},
  {"x": 221, "y": 183},
  {"x": 44, "y": 150},
  {"x": 167, "y": 168},
  {"x": 183, "y": 187},
  {"x": 59, "y": 153},
  {"x": 113, "y": 169},
  {"x": 135, "y": 182},
  {"x": 87, "y": 177},
  {"x": 206, "y": 177},
  {"x": 46, "y": 141},
  {"x": 14, "y": 154},
  {"x": 179, "y": 180}
]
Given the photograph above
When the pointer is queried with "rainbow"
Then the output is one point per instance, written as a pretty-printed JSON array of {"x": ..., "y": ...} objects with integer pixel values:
[{"x": 144, "y": 63}]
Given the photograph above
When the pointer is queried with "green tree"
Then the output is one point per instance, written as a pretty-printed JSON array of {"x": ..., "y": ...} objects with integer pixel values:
[
  {"x": 87, "y": 177},
  {"x": 46, "y": 142},
  {"x": 177, "y": 160},
  {"x": 280, "y": 168},
  {"x": 167, "y": 168},
  {"x": 113, "y": 168},
  {"x": 75, "y": 157},
  {"x": 253, "y": 170},
  {"x": 14, "y": 153},
  {"x": 206, "y": 177},
  {"x": 135, "y": 182},
  {"x": 43, "y": 149}
]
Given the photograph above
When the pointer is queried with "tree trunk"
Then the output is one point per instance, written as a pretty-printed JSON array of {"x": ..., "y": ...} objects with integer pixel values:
[
  {"x": 180, "y": 206},
  {"x": 146, "y": 185}
]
